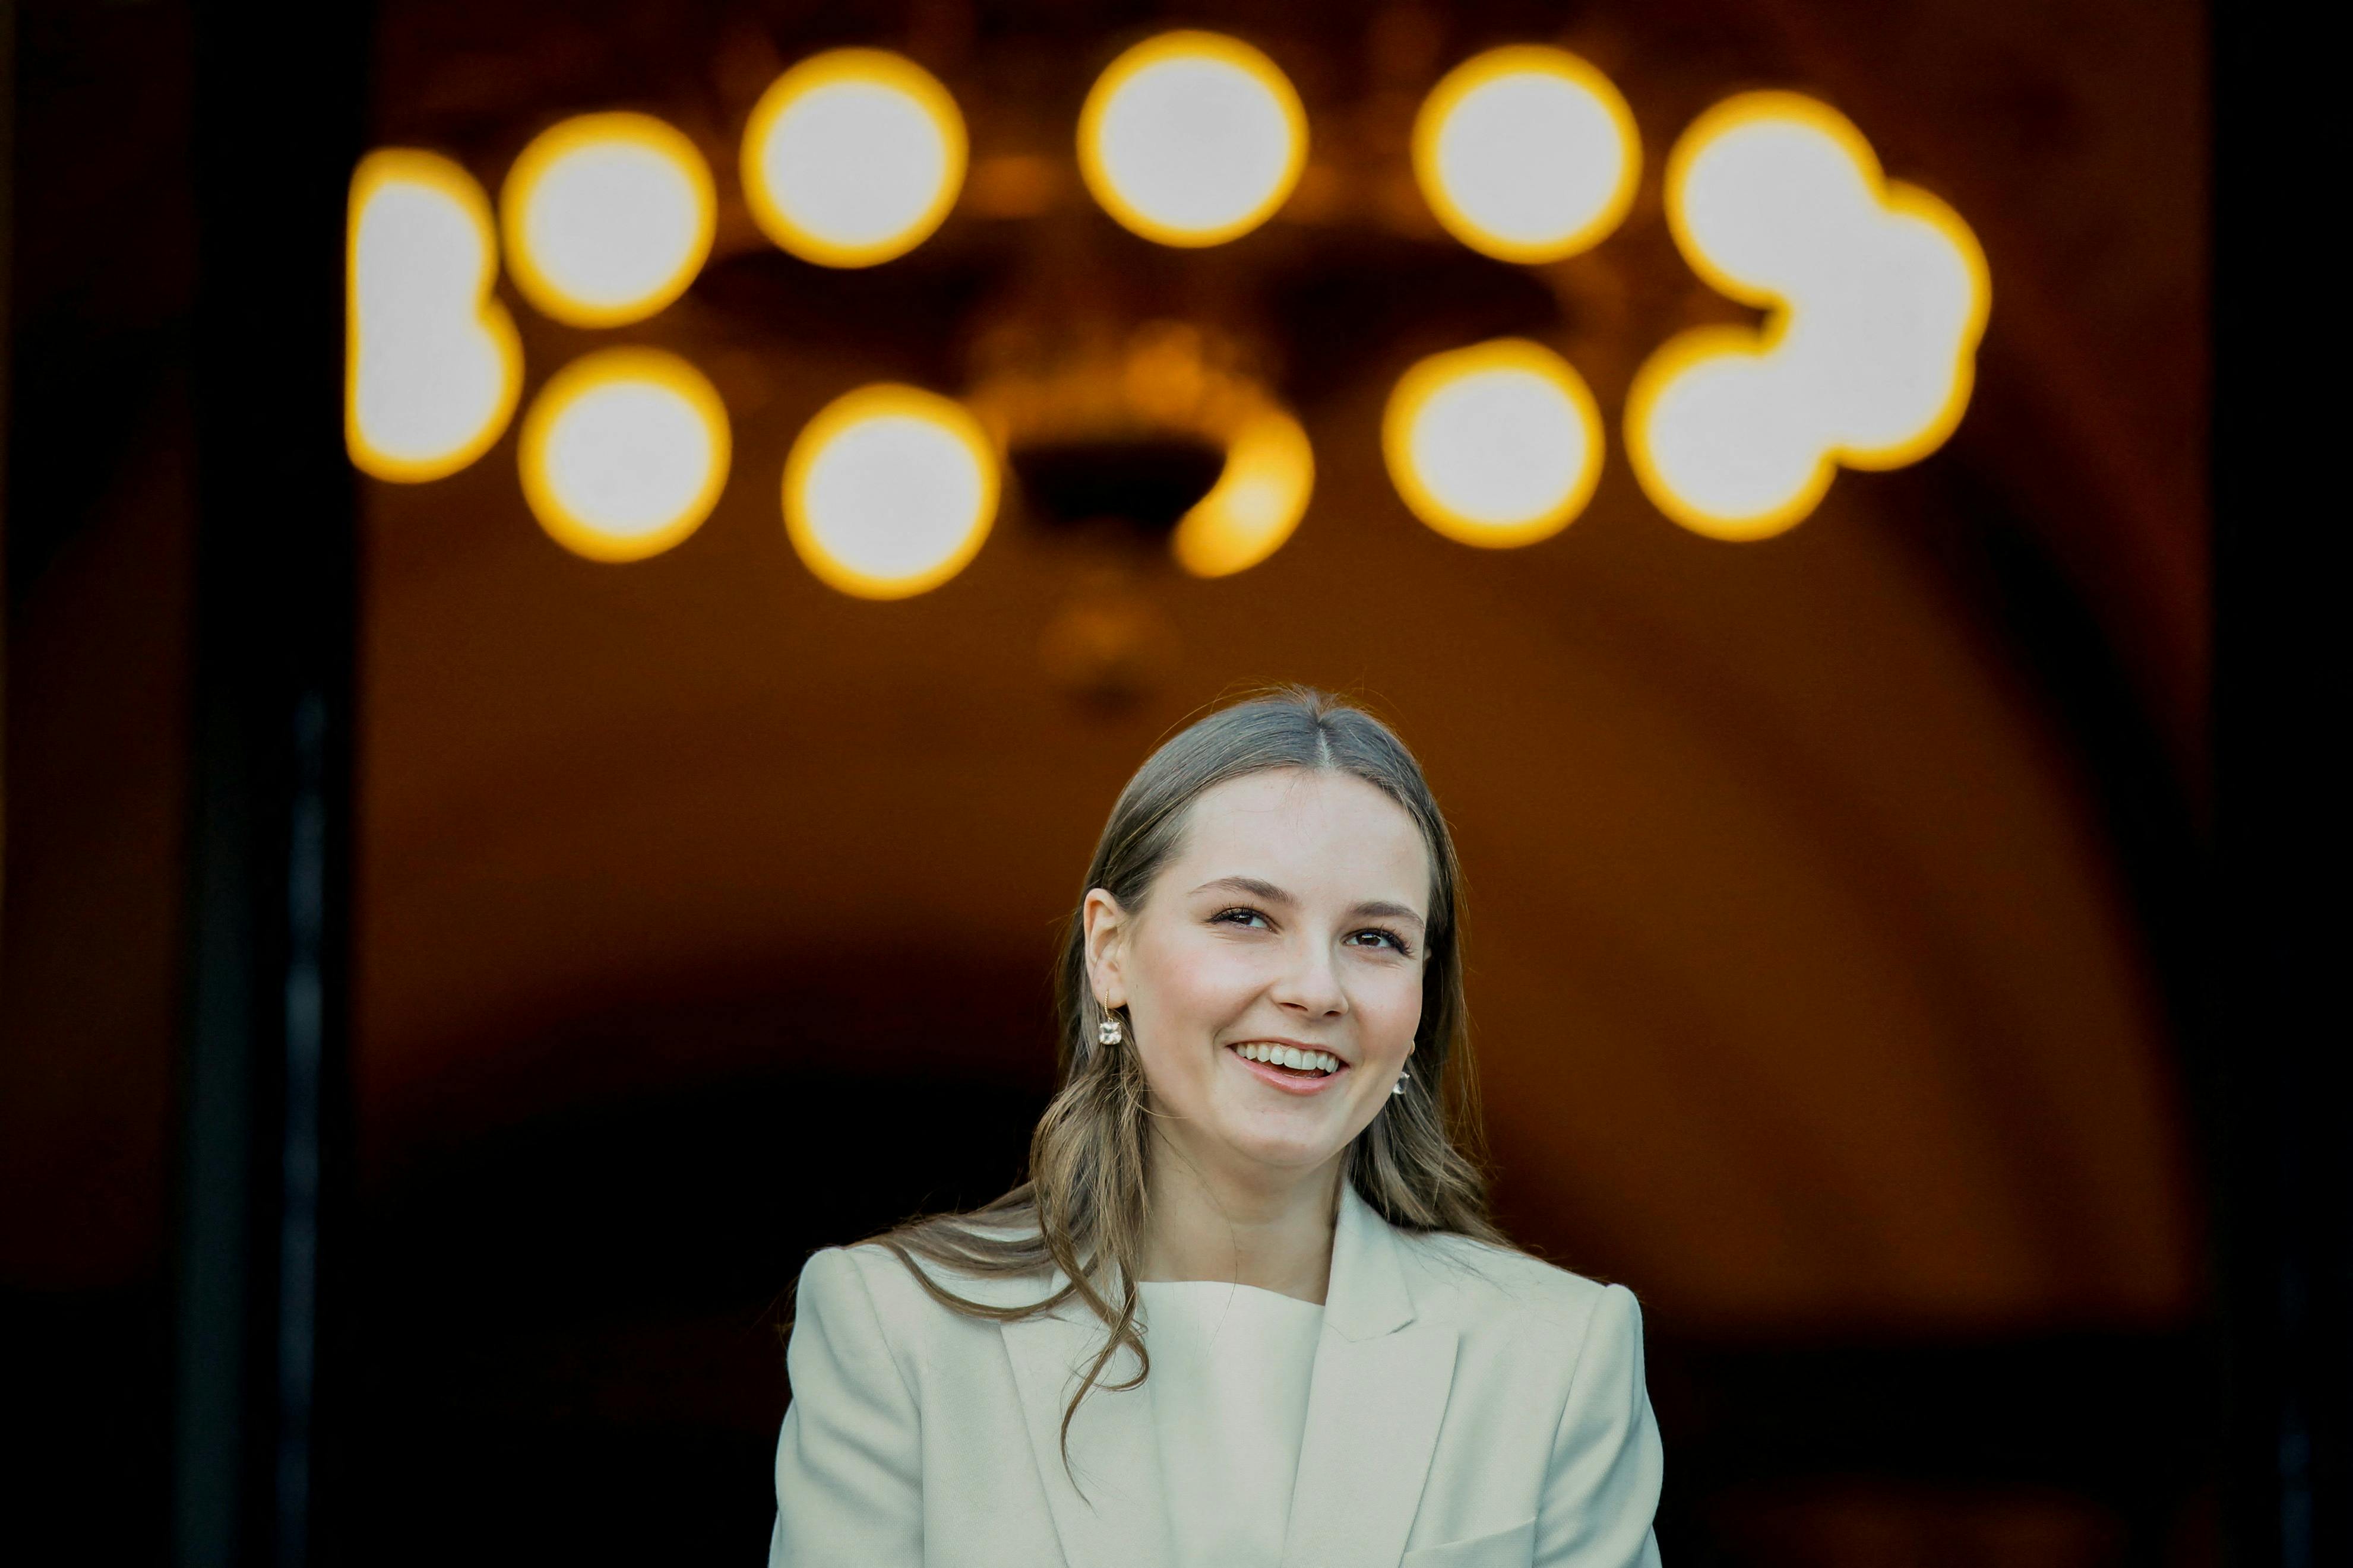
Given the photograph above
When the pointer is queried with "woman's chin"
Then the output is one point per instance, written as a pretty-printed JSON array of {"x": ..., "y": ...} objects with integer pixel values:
[{"x": 1292, "y": 1153}]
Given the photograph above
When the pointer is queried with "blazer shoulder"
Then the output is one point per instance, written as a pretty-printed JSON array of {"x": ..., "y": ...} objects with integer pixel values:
[
  {"x": 902, "y": 1297},
  {"x": 1480, "y": 1279}
]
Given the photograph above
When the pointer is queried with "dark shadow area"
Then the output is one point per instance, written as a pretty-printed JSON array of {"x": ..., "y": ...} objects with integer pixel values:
[
  {"x": 572, "y": 1327},
  {"x": 2111, "y": 1431},
  {"x": 89, "y": 1428}
]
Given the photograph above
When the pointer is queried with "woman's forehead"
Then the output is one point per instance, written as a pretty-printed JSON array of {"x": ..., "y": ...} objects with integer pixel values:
[{"x": 1309, "y": 822}]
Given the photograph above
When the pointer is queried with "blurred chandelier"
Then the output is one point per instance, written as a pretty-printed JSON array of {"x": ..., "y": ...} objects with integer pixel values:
[{"x": 1874, "y": 296}]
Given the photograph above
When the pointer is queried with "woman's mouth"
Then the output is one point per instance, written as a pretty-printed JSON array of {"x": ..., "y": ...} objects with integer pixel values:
[{"x": 1274, "y": 1064}]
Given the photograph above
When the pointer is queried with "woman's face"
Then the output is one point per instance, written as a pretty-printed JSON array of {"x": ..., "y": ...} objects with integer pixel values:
[{"x": 1293, "y": 914}]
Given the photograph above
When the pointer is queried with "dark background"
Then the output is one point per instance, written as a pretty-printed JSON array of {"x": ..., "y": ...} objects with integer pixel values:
[{"x": 1837, "y": 907}]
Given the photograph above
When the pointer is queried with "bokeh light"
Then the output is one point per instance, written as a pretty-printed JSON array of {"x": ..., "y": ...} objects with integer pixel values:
[
  {"x": 432, "y": 364},
  {"x": 1494, "y": 445},
  {"x": 890, "y": 492},
  {"x": 1526, "y": 154},
  {"x": 853, "y": 157},
  {"x": 607, "y": 218},
  {"x": 1256, "y": 502},
  {"x": 624, "y": 453},
  {"x": 1877, "y": 295},
  {"x": 1192, "y": 138}
]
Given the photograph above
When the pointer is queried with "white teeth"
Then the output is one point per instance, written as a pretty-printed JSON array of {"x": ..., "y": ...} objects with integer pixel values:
[{"x": 1291, "y": 1057}]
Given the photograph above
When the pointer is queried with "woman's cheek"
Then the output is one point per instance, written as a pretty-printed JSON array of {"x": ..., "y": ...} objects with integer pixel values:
[
  {"x": 1216, "y": 980},
  {"x": 1400, "y": 1011},
  {"x": 1168, "y": 984}
]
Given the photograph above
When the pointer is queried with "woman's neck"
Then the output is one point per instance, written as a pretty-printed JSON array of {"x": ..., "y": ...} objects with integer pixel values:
[{"x": 1272, "y": 1234}]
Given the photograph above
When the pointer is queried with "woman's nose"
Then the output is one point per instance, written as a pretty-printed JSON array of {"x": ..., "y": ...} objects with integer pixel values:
[{"x": 1310, "y": 983}]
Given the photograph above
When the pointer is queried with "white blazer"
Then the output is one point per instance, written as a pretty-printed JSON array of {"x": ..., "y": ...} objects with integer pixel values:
[{"x": 1470, "y": 1408}]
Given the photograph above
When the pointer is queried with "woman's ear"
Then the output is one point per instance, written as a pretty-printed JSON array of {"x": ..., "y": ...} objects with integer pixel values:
[{"x": 1105, "y": 925}]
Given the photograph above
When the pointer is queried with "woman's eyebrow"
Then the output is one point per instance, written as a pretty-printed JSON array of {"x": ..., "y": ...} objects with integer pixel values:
[
  {"x": 1389, "y": 912},
  {"x": 1251, "y": 885}
]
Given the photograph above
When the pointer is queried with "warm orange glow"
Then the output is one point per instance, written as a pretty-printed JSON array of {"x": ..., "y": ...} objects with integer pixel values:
[
  {"x": 890, "y": 492},
  {"x": 1192, "y": 138},
  {"x": 1256, "y": 503},
  {"x": 607, "y": 218},
  {"x": 1526, "y": 154},
  {"x": 1877, "y": 293},
  {"x": 853, "y": 157},
  {"x": 624, "y": 453},
  {"x": 432, "y": 364},
  {"x": 1496, "y": 445}
]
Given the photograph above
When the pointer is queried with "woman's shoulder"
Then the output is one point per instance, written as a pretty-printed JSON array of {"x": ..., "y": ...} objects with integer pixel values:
[
  {"x": 887, "y": 1273},
  {"x": 1479, "y": 1280}
]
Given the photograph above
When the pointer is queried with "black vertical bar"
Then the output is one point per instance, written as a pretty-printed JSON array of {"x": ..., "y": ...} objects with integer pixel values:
[
  {"x": 7, "y": 320},
  {"x": 280, "y": 100},
  {"x": 2281, "y": 1143},
  {"x": 300, "y": 1159}
]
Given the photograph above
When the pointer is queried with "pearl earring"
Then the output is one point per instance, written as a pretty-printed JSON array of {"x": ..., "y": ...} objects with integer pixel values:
[
  {"x": 1108, "y": 1032},
  {"x": 1404, "y": 1079}
]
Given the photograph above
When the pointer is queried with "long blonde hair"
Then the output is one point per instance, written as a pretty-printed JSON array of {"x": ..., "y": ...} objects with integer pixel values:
[{"x": 1421, "y": 1163}]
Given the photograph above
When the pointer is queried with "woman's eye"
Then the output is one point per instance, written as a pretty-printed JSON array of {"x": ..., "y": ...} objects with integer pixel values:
[
  {"x": 1239, "y": 917},
  {"x": 1380, "y": 939}
]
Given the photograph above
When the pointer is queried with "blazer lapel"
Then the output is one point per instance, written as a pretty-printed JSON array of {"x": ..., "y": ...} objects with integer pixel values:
[
  {"x": 1380, "y": 1388},
  {"x": 1123, "y": 1519}
]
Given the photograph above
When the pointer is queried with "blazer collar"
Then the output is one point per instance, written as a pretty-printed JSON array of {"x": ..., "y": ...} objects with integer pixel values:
[
  {"x": 1382, "y": 1376},
  {"x": 1378, "y": 1390},
  {"x": 1366, "y": 1295}
]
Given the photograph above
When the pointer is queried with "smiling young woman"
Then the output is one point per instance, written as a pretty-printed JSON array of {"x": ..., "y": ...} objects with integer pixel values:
[{"x": 1262, "y": 1161}]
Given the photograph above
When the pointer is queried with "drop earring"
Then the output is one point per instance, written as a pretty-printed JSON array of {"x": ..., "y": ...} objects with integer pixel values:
[
  {"x": 1108, "y": 1033},
  {"x": 1404, "y": 1079}
]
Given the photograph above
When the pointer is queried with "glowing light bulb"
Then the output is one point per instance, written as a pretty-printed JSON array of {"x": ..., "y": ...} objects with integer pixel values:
[
  {"x": 1495, "y": 445},
  {"x": 607, "y": 218},
  {"x": 1192, "y": 138},
  {"x": 890, "y": 492},
  {"x": 1256, "y": 502},
  {"x": 1526, "y": 154},
  {"x": 1877, "y": 295},
  {"x": 432, "y": 364},
  {"x": 852, "y": 157},
  {"x": 624, "y": 453}
]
